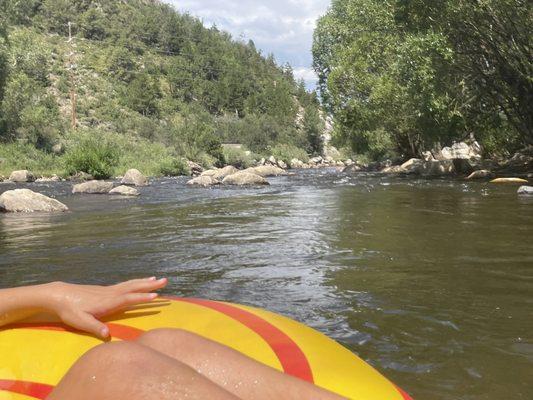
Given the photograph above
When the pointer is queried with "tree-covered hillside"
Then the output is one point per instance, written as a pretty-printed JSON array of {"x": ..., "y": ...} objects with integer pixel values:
[
  {"x": 404, "y": 76},
  {"x": 149, "y": 83}
]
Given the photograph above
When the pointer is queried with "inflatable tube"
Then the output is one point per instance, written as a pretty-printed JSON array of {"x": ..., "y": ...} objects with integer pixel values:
[{"x": 35, "y": 356}]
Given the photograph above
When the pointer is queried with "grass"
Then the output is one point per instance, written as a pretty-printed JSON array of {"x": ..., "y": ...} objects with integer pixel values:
[
  {"x": 16, "y": 156},
  {"x": 287, "y": 152}
]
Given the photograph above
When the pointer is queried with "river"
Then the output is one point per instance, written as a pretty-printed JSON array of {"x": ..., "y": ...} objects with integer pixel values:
[{"x": 431, "y": 281}]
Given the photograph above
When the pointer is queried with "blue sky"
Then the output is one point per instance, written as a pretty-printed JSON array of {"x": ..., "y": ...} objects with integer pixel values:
[{"x": 282, "y": 27}]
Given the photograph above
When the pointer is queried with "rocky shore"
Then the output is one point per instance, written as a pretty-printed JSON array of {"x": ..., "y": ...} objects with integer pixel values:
[{"x": 462, "y": 160}]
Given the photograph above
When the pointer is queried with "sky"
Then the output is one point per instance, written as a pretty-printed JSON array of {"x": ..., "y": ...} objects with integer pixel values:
[{"x": 282, "y": 27}]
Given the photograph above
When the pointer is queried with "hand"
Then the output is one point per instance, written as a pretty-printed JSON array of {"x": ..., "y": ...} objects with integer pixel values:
[{"x": 80, "y": 306}]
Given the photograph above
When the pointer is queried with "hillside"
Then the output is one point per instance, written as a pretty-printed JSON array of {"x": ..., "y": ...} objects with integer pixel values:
[{"x": 152, "y": 86}]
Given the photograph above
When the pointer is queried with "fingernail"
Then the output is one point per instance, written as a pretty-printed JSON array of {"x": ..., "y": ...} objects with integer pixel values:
[
  {"x": 104, "y": 332},
  {"x": 152, "y": 278},
  {"x": 153, "y": 295}
]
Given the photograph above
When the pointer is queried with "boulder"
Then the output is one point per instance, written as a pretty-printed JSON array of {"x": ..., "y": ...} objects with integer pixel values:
[
  {"x": 272, "y": 160},
  {"x": 134, "y": 177},
  {"x": 480, "y": 174},
  {"x": 26, "y": 200},
  {"x": 282, "y": 164},
  {"x": 509, "y": 180},
  {"x": 204, "y": 180},
  {"x": 53, "y": 178},
  {"x": 437, "y": 168},
  {"x": 413, "y": 166},
  {"x": 525, "y": 190},
  {"x": 262, "y": 161},
  {"x": 196, "y": 169},
  {"x": 349, "y": 161},
  {"x": 266, "y": 170},
  {"x": 58, "y": 149},
  {"x": 316, "y": 160},
  {"x": 352, "y": 168},
  {"x": 244, "y": 178},
  {"x": 124, "y": 190},
  {"x": 93, "y": 187},
  {"x": 461, "y": 150},
  {"x": 221, "y": 173},
  {"x": 428, "y": 156},
  {"x": 295, "y": 163},
  {"x": 329, "y": 160},
  {"x": 81, "y": 176},
  {"x": 394, "y": 169},
  {"x": 22, "y": 176},
  {"x": 209, "y": 172}
]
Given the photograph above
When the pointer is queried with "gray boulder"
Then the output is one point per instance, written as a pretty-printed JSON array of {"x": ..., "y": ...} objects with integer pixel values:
[
  {"x": 525, "y": 190},
  {"x": 266, "y": 170},
  {"x": 196, "y": 169},
  {"x": 282, "y": 164},
  {"x": 204, "y": 180},
  {"x": 124, "y": 190},
  {"x": 93, "y": 187},
  {"x": 244, "y": 178},
  {"x": 134, "y": 177},
  {"x": 461, "y": 150},
  {"x": 26, "y": 200},
  {"x": 22, "y": 176},
  {"x": 295, "y": 163}
]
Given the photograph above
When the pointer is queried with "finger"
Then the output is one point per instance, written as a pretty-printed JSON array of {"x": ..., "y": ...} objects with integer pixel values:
[
  {"x": 86, "y": 323},
  {"x": 130, "y": 282},
  {"x": 142, "y": 285}
]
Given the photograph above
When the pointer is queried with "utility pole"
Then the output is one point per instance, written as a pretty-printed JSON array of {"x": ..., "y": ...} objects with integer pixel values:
[{"x": 73, "y": 95}]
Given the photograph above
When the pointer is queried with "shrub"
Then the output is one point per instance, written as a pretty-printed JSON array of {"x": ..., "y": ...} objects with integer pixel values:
[
  {"x": 174, "y": 167},
  {"x": 237, "y": 157},
  {"x": 287, "y": 152},
  {"x": 93, "y": 156}
]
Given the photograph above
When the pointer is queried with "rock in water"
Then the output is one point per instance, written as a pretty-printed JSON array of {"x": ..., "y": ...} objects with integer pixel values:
[
  {"x": 525, "y": 190},
  {"x": 26, "y": 200},
  {"x": 480, "y": 174},
  {"x": 134, "y": 177},
  {"x": 266, "y": 170},
  {"x": 244, "y": 178},
  {"x": 124, "y": 191},
  {"x": 412, "y": 166},
  {"x": 220, "y": 173},
  {"x": 196, "y": 169},
  {"x": 22, "y": 176},
  {"x": 438, "y": 168},
  {"x": 204, "y": 180},
  {"x": 508, "y": 180},
  {"x": 93, "y": 187}
]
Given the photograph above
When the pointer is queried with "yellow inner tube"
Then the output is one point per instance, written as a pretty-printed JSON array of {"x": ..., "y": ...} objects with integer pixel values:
[{"x": 36, "y": 356}]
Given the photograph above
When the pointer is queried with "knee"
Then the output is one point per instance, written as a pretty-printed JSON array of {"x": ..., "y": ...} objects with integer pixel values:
[
  {"x": 167, "y": 336},
  {"x": 113, "y": 355}
]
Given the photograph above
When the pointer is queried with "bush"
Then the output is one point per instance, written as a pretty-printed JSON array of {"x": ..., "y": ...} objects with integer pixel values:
[
  {"x": 17, "y": 156},
  {"x": 93, "y": 156},
  {"x": 287, "y": 152},
  {"x": 237, "y": 157},
  {"x": 174, "y": 167}
]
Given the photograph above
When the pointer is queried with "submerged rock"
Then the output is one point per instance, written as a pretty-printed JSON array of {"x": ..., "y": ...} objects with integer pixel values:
[
  {"x": 134, "y": 177},
  {"x": 525, "y": 190},
  {"x": 22, "y": 176},
  {"x": 124, "y": 190},
  {"x": 244, "y": 178},
  {"x": 480, "y": 174},
  {"x": 26, "y": 200},
  {"x": 204, "y": 180},
  {"x": 93, "y": 187},
  {"x": 266, "y": 170}
]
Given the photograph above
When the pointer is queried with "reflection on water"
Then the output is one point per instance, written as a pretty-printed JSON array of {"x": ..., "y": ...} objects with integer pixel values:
[{"x": 430, "y": 281}]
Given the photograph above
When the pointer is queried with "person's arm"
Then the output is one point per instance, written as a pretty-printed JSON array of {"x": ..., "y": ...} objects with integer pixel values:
[{"x": 79, "y": 306}]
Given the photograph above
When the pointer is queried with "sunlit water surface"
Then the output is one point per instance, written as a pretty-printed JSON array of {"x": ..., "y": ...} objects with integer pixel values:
[{"x": 429, "y": 281}]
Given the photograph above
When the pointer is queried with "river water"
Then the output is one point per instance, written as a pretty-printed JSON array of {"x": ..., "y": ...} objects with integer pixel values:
[{"x": 431, "y": 281}]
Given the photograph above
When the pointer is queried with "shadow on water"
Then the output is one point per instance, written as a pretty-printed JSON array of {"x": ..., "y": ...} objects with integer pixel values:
[{"x": 430, "y": 281}]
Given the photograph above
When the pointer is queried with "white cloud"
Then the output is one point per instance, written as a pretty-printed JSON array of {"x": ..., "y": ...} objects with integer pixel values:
[{"x": 282, "y": 27}]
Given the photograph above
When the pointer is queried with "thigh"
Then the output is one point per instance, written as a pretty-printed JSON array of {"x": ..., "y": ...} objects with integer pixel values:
[
  {"x": 130, "y": 371},
  {"x": 239, "y": 374}
]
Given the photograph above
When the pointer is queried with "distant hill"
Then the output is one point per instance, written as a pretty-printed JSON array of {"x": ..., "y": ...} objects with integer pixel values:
[{"x": 148, "y": 81}]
